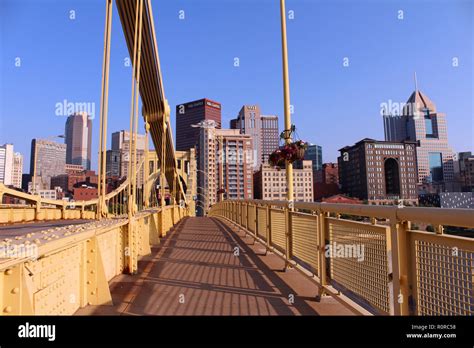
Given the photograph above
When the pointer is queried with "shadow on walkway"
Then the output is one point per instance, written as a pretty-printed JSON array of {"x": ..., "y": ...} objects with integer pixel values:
[{"x": 204, "y": 267}]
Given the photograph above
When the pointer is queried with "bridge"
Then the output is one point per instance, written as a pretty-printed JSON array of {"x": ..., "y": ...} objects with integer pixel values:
[{"x": 131, "y": 252}]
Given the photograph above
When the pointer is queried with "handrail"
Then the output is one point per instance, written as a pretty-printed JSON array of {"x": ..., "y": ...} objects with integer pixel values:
[
  {"x": 401, "y": 269},
  {"x": 438, "y": 216}
]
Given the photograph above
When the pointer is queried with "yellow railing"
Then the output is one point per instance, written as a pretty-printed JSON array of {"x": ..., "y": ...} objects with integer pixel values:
[
  {"x": 59, "y": 271},
  {"x": 34, "y": 208},
  {"x": 378, "y": 265}
]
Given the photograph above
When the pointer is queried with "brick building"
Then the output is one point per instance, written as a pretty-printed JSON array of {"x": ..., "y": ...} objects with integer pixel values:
[
  {"x": 379, "y": 171},
  {"x": 326, "y": 181}
]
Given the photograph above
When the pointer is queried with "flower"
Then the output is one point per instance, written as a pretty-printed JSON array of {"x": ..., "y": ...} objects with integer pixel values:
[
  {"x": 301, "y": 144},
  {"x": 276, "y": 158}
]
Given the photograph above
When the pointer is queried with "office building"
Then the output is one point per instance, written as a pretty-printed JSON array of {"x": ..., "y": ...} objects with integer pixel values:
[
  {"x": 249, "y": 122},
  {"x": 50, "y": 159},
  {"x": 326, "y": 181},
  {"x": 270, "y": 183},
  {"x": 54, "y": 194},
  {"x": 6, "y": 164},
  {"x": 314, "y": 153},
  {"x": 125, "y": 162},
  {"x": 224, "y": 165},
  {"x": 78, "y": 138},
  {"x": 11, "y": 166},
  {"x": 67, "y": 182},
  {"x": 379, "y": 171},
  {"x": 189, "y": 114},
  {"x": 328, "y": 174},
  {"x": 25, "y": 181},
  {"x": 420, "y": 121},
  {"x": 73, "y": 168},
  {"x": 270, "y": 136},
  {"x": 112, "y": 166},
  {"x": 121, "y": 147},
  {"x": 123, "y": 136},
  {"x": 17, "y": 171},
  {"x": 466, "y": 171},
  {"x": 186, "y": 164},
  {"x": 85, "y": 193}
]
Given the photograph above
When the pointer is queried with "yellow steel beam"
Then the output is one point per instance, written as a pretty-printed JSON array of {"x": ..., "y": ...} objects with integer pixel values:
[{"x": 151, "y": 85}]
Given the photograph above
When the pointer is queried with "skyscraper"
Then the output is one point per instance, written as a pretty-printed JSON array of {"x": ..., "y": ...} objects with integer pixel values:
[
  {"x": 269, "y": 135},
  {"x": 50, "y": 159},
  {"x": 120, "y": 137},
  {"x": 78, "y": 135},
  {"x": 6, "y": 164},
  {"x": 112, "y": 160},
  {"x": 17, "y": 171},
  {"x": 121, "y": 146},
  {"x": 315, "y": 154},
  {"x": 224, "y": 165},
  {"x": 421, "y": 122},
  {"x": 188, "y": 114},
  {"x": 249, "y": 122}
]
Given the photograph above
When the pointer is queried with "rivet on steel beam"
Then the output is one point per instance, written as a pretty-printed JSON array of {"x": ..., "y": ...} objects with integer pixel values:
[
  {"x": 9, "y": 271},
  {"x": 92, "y": 292},
  {"x": 8, "y": 309},
  {"x": 15, "y": 290}
]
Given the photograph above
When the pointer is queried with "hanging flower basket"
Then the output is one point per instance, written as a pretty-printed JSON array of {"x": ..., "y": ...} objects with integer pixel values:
[
  {"x": 301, "y": 147},
  {"x": 291, "y": 152},
  {"x": 294, "y": 151},
  {"x": 276, "y": 158}
]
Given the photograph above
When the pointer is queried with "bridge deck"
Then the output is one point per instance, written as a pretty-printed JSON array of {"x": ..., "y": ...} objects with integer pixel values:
[
  {"x": 195, "y": 272},
  {"x": 20, "y": 229}
]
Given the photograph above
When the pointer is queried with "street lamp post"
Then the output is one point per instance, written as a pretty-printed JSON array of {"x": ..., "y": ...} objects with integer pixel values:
[{"x": 286, "y": 96}]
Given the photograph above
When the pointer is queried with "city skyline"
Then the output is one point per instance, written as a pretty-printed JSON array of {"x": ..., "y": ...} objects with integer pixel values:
[
  {"x": 313, "y": 62},
  {"x": 203, "y": 204}
]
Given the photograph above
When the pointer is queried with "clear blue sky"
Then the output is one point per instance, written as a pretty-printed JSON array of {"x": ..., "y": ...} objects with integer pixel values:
[{"x": 334, "y": 105}]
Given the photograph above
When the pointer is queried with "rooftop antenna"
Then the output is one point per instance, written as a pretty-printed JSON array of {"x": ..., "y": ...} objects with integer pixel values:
[{"x": 416, "y": 84}]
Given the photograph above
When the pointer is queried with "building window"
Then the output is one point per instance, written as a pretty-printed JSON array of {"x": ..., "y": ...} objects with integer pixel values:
[
  {"x": 429, "y": 127},
  {"x": 436, "y": 166},
  {"x": 392, "y": 179}
]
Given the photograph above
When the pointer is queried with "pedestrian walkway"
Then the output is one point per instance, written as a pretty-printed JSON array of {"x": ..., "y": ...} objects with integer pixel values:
[{"x": 206, "y": 267}]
